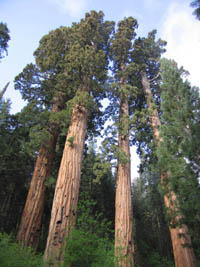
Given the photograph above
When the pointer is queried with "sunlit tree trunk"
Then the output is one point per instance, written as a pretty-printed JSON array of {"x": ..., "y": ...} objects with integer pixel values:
[
  {"x": 29, "y": 229},
  {"x": 183, "y": 255},
  {"x": 124, "y": 248},
  {"x": 63, "y": 214}
]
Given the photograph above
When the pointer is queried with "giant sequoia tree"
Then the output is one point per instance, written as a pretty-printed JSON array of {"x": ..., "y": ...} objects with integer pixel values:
[
  {"x": 47, "y": 85},
  {"x": 87, "y": 61},
  {"x": 148, "y": 52},
  {"x": 121, "y": 45}
]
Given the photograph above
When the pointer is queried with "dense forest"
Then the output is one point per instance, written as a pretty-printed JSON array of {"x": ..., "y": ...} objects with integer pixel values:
[{"x": 67, "y": 197}]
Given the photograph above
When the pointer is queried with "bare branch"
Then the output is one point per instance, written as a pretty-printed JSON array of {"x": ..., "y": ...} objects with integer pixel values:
[{"x": 155, "y": 77}]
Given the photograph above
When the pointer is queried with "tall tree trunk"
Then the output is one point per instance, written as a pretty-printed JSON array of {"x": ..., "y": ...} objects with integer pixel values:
[
  {"x": 29, "y": 229},
  {"x": 124, "y": 248},
  {"x": 63, "y": 214},
  {"x": 183, "y": 256}
]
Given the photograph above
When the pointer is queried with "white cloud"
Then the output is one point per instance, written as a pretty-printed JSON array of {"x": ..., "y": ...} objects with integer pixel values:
[
  {"x": 182, "y": 32},
  {"x": 74, "y": 8}
]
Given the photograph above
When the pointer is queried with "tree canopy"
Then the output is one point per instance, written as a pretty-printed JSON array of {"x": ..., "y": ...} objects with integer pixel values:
[
  {"x": 196, "y": 4},
  {"x": 4, "y": 38}
]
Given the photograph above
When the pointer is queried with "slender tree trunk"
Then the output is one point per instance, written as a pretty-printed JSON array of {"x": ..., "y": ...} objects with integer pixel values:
[
  {"x": 63, "y": 214},
  {"x": 183, "y": 256},
  {"x": 4, "y": 90},
  {"x": 29, "y": 229},
  {"x": 124, "y": 248}
]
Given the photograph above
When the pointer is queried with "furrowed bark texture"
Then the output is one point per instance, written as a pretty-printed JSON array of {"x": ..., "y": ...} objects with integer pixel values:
[
  {"x": 29, "y": 229},
  {"x": 124, "y": 248},
  {"x": 183, "y": 256},
  {"x": 65, "y": 201}
]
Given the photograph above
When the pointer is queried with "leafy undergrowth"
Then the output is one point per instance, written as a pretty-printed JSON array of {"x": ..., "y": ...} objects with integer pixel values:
[
  {"x": 13, "y": 255},
  {"x": 86, "y": 249}
]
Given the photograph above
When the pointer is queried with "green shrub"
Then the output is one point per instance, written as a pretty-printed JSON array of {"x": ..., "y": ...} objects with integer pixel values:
[
  {"x": 13, "y": 255},
  {"x": 87, "y": 249},
  {"x": 91, "y": 243}
]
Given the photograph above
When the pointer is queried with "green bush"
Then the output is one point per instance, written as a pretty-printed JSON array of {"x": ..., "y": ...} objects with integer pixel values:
[
  {"x": 87, "y": 249},
  {"x": 13, "y": 255},
  {"x": 91, "y": 243}
]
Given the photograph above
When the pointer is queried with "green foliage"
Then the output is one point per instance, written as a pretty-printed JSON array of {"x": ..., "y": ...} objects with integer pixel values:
[
  {"x": 81, "y": 99},
  {"x": 12, "y": 254},
  {"x": 34, "y": 85},
  {"x": 50, "y": 182},
  {"x": 155, "y": 260},
  {"x": 71, "y": 140},
  {"x": 121, "y": 42},
  {"x": 146, "y": 56},
  {"x": 90, "y": 219},
  {"x": 152, "y": 247},
  {"x": 16, "y": 165},
  {"x": 4, "y": 38},
  {"x": 97, "y": 186},
  {"x": 77, "y": 52},
  {"x": 124, "y": 125},
  {"x": 196, "y": 4},
  {"x": 122, "y": 157},
  {"x": 147, "y": 53},
  {"x": 177, "y": 153},
  {"x": 120, "y": 51},
  {"x": 100, "y": 170},
  {"x": 36, "y": 118},
  {"x": 90, "y": 244},
  {"x": 86, "y": 249}
]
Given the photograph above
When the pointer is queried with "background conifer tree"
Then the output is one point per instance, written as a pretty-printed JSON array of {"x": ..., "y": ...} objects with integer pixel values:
[
  {"x": 148, "y": 55},
  {"x": 179, "y": 130}
]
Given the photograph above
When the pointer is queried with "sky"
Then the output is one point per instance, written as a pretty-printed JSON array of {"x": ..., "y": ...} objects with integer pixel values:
[{"x": 29, "y": 20}]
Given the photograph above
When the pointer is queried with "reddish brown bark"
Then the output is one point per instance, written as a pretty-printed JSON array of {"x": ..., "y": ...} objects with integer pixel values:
[
  {"x": 124, "y": 248},
  {"x": 29, "y": 229},
  {"x": 65, "y": 201},
  {"x": 183, "y": 255}
]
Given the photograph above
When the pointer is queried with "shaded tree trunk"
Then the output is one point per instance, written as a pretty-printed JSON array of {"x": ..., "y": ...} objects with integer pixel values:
[
  {"x": 124, "y": 248},
  {"x": 183, "y": 256},
  {"x": 63, "y": 214},
  {"x": 29, "y": 229}
]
